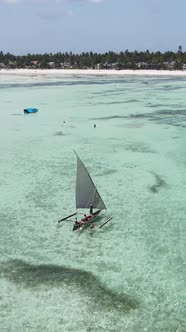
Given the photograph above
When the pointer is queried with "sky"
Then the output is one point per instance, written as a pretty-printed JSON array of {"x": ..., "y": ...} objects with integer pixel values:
[{"x": 39, "y": 26}]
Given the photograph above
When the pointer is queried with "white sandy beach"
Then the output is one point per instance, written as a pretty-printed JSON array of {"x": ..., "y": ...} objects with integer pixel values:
[{"x": 63, "y": 72}]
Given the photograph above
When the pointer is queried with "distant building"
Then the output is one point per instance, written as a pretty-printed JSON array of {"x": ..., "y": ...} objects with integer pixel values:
[
  {"x": 172, "y": 64},
  {"x": 169, "y": 65},
  {"x": 35, "y": 62},
  {"x": 98, "y": 66},
  {"x": 110, "y": 65},
  {"x": 107, "y": 65},
  {"x": 142, "y": 65},
  {"x": 51, "y": 64},
  {"x": 2, "y": 65}
]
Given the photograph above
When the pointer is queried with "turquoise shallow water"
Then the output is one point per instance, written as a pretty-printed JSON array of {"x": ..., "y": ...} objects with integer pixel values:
[{"x": 129, "y": 275}]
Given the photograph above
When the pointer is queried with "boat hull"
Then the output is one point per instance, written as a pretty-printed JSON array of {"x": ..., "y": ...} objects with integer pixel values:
[{"x": 89, "y": 222}]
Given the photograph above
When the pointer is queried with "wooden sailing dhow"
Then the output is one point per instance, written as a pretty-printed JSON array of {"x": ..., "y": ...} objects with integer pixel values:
[{"x": 87, "y": 197}]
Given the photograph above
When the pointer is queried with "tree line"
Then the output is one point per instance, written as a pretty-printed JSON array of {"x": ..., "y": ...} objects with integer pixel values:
[{"x": 123, "y": 59}]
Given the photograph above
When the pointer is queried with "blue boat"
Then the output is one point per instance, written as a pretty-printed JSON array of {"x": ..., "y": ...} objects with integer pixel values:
[{"x": 30, "y": 110}]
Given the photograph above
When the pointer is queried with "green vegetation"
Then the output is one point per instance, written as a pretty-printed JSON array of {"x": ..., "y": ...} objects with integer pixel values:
[{"x": 109, "y": 60}]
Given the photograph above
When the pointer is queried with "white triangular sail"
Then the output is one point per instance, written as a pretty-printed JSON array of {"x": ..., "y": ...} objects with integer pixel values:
[{"x": 86, "y": 192}]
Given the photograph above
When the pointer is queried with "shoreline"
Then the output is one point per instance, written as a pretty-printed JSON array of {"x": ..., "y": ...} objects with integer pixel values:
[{"x": 91, "y": 72}]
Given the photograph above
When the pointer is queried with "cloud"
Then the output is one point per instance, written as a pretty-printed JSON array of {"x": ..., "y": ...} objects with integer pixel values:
[
  {"x": 14, "y": 2},
  {"x": 96, "y": 1},
  {"x": 48, "y": 15},
  {"x": 84, "y": 1},
  {"x": 53, "y": 15},
  {"x": 9, "y": 2}
]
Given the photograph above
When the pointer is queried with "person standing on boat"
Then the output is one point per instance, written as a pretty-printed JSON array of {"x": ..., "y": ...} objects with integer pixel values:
[{"x": 91, "y": 209}]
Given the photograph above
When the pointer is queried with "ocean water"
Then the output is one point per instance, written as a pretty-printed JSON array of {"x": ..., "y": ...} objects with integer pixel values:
[{"x": 128, "y": 276}]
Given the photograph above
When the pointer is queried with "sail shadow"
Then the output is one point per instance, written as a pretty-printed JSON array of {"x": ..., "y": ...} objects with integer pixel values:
[{"x": 31, "y": 276}]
